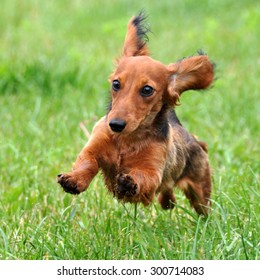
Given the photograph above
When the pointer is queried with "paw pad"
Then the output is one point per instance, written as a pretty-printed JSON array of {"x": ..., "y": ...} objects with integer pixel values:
[
  {"x": 126, "y": 185},
  {"x": 67, "y": 184}
]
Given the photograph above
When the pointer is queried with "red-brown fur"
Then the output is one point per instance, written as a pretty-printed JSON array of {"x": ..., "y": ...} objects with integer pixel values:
[{"x": 149, "y": 152}]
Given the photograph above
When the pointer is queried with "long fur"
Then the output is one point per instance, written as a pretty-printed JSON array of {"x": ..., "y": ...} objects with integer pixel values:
[{"x": 140, "y": 146}]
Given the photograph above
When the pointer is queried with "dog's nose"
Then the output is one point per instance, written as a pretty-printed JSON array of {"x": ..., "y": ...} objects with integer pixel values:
[{"x": 117, "y": 125}]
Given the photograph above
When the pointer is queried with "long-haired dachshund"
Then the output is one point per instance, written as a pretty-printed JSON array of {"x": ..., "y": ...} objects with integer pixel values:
[{"x": 140, "y": 145}]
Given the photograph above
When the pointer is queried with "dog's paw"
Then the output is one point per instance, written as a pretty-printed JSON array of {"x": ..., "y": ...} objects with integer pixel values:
[
  {"x": 69, "y": 183},
  {"x": 126, "y": 186}
]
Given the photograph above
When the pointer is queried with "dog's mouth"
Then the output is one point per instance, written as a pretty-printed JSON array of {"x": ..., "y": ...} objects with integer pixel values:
[{"x": 120, "y": 125}]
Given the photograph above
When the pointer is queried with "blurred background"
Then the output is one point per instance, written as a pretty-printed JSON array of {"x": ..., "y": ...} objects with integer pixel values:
[{"x": 55, "y": 59}]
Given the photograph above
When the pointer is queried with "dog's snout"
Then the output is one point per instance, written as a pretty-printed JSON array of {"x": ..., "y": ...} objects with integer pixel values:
[{"x": 117, "y": 125}]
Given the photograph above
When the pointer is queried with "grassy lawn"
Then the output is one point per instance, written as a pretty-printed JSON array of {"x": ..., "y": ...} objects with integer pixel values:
[{"x": 55, "y": 58}]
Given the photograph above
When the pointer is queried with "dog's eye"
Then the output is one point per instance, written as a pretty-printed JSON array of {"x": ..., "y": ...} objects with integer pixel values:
[
  {"x": 116, "y": 85},
  {"x": 147, "y": 91}
]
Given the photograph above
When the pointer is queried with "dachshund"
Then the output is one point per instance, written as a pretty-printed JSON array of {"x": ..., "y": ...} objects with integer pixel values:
[{"x": 140, "y": 145}]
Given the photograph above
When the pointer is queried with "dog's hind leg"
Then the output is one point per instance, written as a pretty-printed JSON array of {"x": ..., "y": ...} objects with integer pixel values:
[
  {"x": 196, "y": 179},
  {"x": 198, "y": 191},
  {"x": 166, "y": 197}
]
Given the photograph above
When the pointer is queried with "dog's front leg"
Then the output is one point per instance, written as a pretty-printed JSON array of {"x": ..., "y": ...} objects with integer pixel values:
[
  {"x": 86, "y": 166},
  {"x": 138, "y": 186},
  {"x": 142, "y": 176},
  {"x": 84, "y": 170}
]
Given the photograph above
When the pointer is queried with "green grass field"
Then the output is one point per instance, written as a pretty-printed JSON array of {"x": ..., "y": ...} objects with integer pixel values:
[{"x": 55, "y": 58}]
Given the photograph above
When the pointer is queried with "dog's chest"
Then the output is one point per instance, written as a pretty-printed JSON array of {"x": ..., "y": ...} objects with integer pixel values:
[
  {"x": 116, "y": 160},
  {"x": 118, "y": 155}
]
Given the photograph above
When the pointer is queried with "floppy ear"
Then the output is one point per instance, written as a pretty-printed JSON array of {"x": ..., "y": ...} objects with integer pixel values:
[
  {"x": 196, "y": 72},
  {"x": 136, "y": 36}
]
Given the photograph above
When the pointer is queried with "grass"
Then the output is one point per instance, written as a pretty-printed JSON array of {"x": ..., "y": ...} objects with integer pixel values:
[{"x": 55, "y": 57}]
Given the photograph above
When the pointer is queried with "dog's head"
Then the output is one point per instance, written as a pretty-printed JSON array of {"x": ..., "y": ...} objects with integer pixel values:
[{"x": 140, "y": 85}]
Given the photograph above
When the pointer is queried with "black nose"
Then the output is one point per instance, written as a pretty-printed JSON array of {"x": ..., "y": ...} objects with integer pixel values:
[{"x": 117, "y": 125}]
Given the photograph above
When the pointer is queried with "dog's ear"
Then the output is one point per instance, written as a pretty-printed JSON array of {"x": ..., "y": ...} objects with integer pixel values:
[
  {"x": 136, "y": 36},
  {"x": 196, "y": 72}
]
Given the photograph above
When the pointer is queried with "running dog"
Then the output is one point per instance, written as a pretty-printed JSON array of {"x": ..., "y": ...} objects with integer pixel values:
[{"x": 140, "y": 145}]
